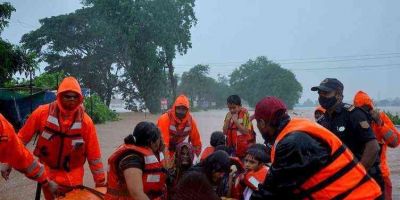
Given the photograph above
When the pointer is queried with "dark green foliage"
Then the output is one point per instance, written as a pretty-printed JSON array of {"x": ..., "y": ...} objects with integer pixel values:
[
  {"x": 13, "y": 59},
  {"x": 121, "y": 44},
  {"x": 260, "y": 77},
  {"x": 394, "y": 117},
  {"x": 98, "y": 111},
  {"x": 197, "y": 85},
  {"x": 5, "y": 13},
  {"x": 78, "y": 44}
]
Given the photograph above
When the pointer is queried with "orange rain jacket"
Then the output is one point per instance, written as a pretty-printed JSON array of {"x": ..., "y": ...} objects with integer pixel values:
[
  {"x": 386, "y": 133},
  {"x": 66, "y": 168},
  {"x": 169, "y": 121},
  {"x": 341, "y": 178},
  {"x": 15, "y": 154},
  {"x": 207, "y": 151}
]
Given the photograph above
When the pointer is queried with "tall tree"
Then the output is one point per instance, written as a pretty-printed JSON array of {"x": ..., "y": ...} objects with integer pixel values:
[
  {"x": 199, "y": 86},
  {"x": 12, "y": 58},
  {"x": 150, "y": 32},
  {"x": 261, "y": 77},
  {"x": 176, "y": 34},
  {"x": 105, "y": 39},
  {"x": 5, "y": 13},
  {"x": 195, "y": 83},
  {"x": 79, "y": 44}
]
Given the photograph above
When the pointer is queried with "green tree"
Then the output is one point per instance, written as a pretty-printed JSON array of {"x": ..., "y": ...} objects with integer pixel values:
[
  {"x": 13, "y": 59},
  {"x": 49, "y": 80},
  {"x": 221, "y": 91},
  {"x": 261, "y": 77},
  {"x": 195, "y": 83},
  {"x": 80, "y": 45},
  {"x": 150, "y": 32},
  {"x": 309, "y": 103},
  {"x": 176, "y": 35},
  {"x": 120, "y": 43},
  {"x": 5, "y": 13},
  {"x": 98, "y": 111},
  {"x": 199, "y": 86}
]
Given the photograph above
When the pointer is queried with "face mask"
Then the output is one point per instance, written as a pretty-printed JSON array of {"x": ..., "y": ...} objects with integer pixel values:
[
  {"x": 327, "y": 102},
  {"x": 180, "y": 115}
]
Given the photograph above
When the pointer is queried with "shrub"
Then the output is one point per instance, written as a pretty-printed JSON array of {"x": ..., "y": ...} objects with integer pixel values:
[
  {"x": 98, "y": 111},
  {"x": 394, "y": 117}
]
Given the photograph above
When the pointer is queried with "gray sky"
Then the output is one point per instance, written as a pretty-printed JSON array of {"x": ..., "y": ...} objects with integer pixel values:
[{"x": 362, "y": 36}]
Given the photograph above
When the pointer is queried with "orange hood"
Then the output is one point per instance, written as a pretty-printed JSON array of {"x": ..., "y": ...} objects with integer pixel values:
[
  {"x": 362, "y": 99},
  {"x": 182, "y": 100},
  {"x": 69, "y": 84}
]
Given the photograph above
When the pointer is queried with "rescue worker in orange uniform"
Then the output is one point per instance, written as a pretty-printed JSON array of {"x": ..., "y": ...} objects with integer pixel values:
[
  {"x": 177, "y": 125},
  {"x": 237, "y": 127},
  {"x": 217, "y": 138},
  {"x": 14, "y": 154},
  {"x": 136, "y": 169},
  {"x": 308, "y": 161},
  {"x": 66, "y": 138},
  {"x": 256, "y": 171},
  {"x": 386, "y": 134}
]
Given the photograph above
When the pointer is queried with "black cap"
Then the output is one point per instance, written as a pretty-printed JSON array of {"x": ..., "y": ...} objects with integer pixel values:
[{"x": 329, "y": 85}]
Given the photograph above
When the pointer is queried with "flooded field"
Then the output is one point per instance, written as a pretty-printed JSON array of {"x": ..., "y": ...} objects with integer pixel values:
[{"x": 111, "y": 135}]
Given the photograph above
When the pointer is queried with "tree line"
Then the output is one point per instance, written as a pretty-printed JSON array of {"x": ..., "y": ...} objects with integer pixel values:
[{"x": 128, "y": 47}]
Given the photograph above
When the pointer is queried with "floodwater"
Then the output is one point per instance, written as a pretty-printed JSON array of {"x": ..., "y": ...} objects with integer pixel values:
[{"x": 111, "y": 135}]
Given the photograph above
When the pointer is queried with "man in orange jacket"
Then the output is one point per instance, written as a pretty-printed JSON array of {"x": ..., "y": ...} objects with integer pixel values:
[
  {"x": 177, "y": 125},
  {"x": 386, "y": 134},
  {"x": 307, "y": 160},
  {"x": 13, "y": 153},
  {"x": 66, "y": 138}
]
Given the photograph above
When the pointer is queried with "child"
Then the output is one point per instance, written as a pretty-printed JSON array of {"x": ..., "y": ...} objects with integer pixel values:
[
  {"x": 256, "y": 170},
  {"x": 237, "y": 127},
  {"x": 217, "y": 138}
]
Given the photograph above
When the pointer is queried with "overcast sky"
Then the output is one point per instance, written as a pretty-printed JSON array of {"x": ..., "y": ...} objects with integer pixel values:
[{"x": 359, "y": 41}]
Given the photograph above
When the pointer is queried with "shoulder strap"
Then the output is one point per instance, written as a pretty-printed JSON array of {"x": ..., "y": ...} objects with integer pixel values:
[{"x": 349, "y": 107}]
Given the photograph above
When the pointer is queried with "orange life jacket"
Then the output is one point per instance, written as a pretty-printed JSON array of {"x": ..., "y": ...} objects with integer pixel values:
[
  {"x": 253, "y": 178},
  {"x": 250, "y": 179},
  {"x": 14, "y": 153},
  {"x": 153, "y": 178},
  {"x": 387, "y": 136},
  {"x": 61, "y": 149},
  {"x": 342, "y": 178},
  {"x": 178, "y": 135},
  {"x": 207, "y": 151},
  {"x": 237, "y": 140}
]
